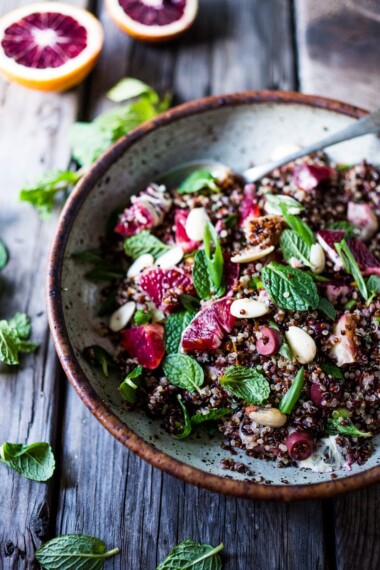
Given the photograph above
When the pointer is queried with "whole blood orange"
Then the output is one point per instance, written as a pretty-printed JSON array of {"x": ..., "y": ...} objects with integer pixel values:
[
  {"x": 49, "y": 46},
  {"x": 153, "y": 20}
]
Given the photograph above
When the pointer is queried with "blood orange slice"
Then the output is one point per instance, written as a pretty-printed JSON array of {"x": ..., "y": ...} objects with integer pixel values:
[
  {"x": 145, "y": 343},
  {"x": 49, "y": 46},
  {"x": 208, "y": 327},
  {"x": 164, "y": 286},
  {"x": 153, "y": 20}
]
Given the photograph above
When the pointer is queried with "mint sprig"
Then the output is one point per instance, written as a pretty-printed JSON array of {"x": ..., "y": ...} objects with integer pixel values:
[
  {"x": 290, "y": 288},
  {"x": 208, "y": 268},
  {"x": 14, "y": 335},
  {"x": 292, "y": 246},
  {"x": 299, "y": 226},
  {"x": 90, "y": 140}
]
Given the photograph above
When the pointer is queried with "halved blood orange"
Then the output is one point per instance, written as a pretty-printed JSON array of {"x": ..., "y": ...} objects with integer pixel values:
[
  {"x": 49, "y": 46},
  {"x": 153, "y": 20}
]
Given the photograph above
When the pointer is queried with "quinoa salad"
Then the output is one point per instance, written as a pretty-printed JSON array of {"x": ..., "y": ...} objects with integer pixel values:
[{"x": 252, "y": 310}]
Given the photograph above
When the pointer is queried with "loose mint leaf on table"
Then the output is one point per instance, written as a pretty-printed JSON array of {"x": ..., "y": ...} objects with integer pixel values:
[
  {"x": 293, "y": 246},
  {"x": 212, "y": 415},
  {"x": 186, "y": 427},
  {"x": 44, "y": 192},
  {"x": 189, "y": 554},
  {"x": 74, "y": 552},
  {"x": 144, "y": 242},
  {"x": 174, "y": 326},
  {"x": 352, "y": 267},
  {"x": 340, "y": 422},
  {"x": 128, "y": 388},
  {"x": 88, "y": 141},
  {"x": 290, "y": 288},
  {"x": 276, "y": 200},
  {"x": 128, "y": 88},
  {"x": 299, "y": 226},
  {"x": 246, "y": 383},
  {"x": 35, "y": 461},
  {"x": 142, "y": 317},
  {"x": 184, "y": 372},
  {"x": 327, "y": 307},
  {"x": 197, "y": 181},
  {"x": 4, "y": 256},
  {"x": 331, "y": 369},
  {"x": 13, "y": 338}
]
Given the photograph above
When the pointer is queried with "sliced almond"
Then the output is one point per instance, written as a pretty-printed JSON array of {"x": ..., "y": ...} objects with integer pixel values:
[
  {"x": 251, "y": 254},
  {"x": 196, "y": 224},
  {"x": 271, "y": 417},
  {"x": 170, "y": 258},
  {"x": 248, "y": 309},
  {"x": 317, "y": 258},
  {"x": 141, "y": 263},
  {"x": 302, "y": 345},
  {"x": 121, "y": 317}
]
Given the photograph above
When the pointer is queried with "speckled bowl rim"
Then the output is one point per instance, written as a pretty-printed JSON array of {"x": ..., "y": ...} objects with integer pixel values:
[{"x": 66, "y": 353}]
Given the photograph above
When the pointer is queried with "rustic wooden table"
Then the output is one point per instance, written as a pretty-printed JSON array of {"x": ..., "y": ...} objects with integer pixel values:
[{"x": 99, "y": 487}]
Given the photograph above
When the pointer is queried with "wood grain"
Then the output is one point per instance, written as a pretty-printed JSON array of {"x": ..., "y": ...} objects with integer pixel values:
[
  {"x": 33, "y": 138},
  {"x": 104, "y": 488},
  {"x": 339, "y": 55}
]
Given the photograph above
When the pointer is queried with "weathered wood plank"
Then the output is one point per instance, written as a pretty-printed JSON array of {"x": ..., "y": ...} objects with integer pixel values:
[
  {"x": 33, "y": 138},
  {"x": 105, "y": 490},
  {"x": 339, "y": 54},
  {"x": 339, "y": 51}
]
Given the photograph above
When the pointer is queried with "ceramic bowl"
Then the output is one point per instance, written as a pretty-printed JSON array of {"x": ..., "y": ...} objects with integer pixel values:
[{"x": 239, "y": 130}]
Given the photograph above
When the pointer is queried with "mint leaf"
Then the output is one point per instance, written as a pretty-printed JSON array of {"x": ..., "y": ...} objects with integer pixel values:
[
  {"x": 144, "y": 242},
  {"x": 35, "y": 461},
  {"x": 20, "y": 322},
  {"x": 186, "y": 427},
  {"x": 98, "y": 356},
  {"x": 189, "y": 555},
  {"x": 246, "y": 383},
  {"x": 290, "y": 288},
  {"x": 201, "y": 278},
  {"x": 331, "y": 369},
  {"x": 373, "y": 284},
  {"x": 74, "y": 552},
  {"x": 352, "y": 267},
  {"x": 293, "y": 246},
  {"x": 326, "y": 307},
  {"x": 184, "y": 372},
  {"x": 128, "y": 88},
  {"x": 12, "y": 339},
  {"x": 211, "y": 415},
  {"x": 276, "y": 200},
  {"x": 44, "y": 192},
  {"x": 286, "y": 351},
  {"x": 340, "y": 423},
  {"x": 350, "y": 229},
  {"x": 174, "y": 326},
  {"x": 197, "y": 181},
  {"x": 88, "y": 141},
  {"x": 142, "y": 317},
  {"x": 128, "y": 388},
  {"x": 4, "y": 256},
  {"x": 300, "y": 227}
]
